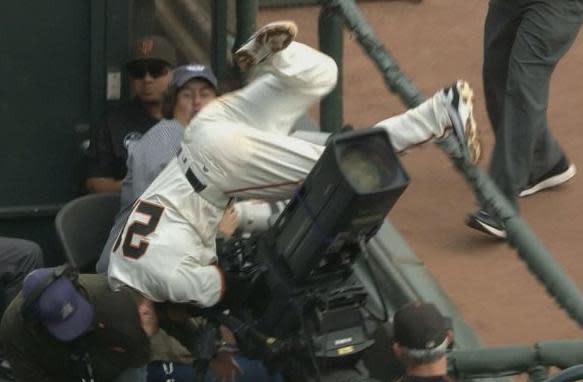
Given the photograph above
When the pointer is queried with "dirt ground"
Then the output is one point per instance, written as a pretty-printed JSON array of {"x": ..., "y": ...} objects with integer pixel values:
[{"x": 436, "y": 42}]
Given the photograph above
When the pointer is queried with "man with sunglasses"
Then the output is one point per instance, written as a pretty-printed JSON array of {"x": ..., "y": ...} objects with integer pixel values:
[{"x": 150, "y": 72}]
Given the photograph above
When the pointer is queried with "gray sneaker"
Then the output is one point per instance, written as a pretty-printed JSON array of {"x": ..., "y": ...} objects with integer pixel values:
[
  {"x": 269, "y": 39},
  {"x": 459, "y": 106}
]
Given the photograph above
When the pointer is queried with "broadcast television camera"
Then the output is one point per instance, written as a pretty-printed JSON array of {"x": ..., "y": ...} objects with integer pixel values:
[{"x": 297, "y": 305}]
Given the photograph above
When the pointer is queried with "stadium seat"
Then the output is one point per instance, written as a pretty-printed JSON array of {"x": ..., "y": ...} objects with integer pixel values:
[{"x": 83, "y": 226}]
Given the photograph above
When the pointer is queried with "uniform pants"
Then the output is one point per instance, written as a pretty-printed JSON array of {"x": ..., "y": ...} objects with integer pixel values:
[
  {"x": 240, "y": 143},
  {"x": 523, "y": 41}
]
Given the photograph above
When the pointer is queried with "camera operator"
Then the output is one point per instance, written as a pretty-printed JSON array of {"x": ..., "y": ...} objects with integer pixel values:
[
  {"x": 67, "y": 328},
  {"x": 421, "y": 339}
]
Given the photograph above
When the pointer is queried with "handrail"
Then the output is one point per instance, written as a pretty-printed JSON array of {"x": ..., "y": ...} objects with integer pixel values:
[
  {"x": 539, "y": 261},
  {"x": 29, "y": 211},
  {"x": 511, "y": 360}
]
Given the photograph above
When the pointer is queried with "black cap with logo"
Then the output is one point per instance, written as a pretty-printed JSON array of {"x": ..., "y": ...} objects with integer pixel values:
[
  {"x": 420, "y": 326},
  {"x": 153, "y": 48}
]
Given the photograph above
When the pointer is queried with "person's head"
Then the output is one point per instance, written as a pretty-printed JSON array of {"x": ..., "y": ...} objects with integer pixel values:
[
  {"x": 192, "y": 87},
  {"x": 150, "y": 68},
  {"x": 118, "y": 327},
  {"x": 50, "y": 297},
  {"x": 421, "y": 334},
  {"x": 111, "y": 320}
]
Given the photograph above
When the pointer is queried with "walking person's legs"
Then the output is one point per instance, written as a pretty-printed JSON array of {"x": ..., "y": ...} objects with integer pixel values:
[{"x": 525, "y": 148}]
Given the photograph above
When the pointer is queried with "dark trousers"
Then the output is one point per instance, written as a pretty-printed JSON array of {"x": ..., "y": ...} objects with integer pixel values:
[
  {"x": 523, "y": 41},
  {"x": 17, "y": 259}
]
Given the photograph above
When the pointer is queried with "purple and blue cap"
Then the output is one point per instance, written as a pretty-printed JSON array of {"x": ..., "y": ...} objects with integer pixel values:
[{"x": 60, "y": 308}]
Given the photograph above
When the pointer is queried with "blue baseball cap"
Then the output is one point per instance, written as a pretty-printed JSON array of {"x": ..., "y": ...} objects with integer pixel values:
[
  {"x": 60, "y": 308},
  {"x": 185, "y": 73}
]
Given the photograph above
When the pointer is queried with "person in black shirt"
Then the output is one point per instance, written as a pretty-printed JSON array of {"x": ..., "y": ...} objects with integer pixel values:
[
  {"x": 422, "y": 336},
  {"x": 150, "y": 71}
]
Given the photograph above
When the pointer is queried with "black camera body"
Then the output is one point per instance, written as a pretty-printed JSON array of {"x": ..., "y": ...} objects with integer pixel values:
[{"x": 294, "y": 283}]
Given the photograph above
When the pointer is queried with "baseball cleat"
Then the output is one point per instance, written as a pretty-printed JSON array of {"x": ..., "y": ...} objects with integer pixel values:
[
  {"x": 269, "y": 39},
  {"x": 459, "y": 98},
  {"x": 559, "y": 174}
]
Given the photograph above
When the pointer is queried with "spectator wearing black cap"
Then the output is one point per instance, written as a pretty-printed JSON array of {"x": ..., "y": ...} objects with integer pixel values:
[
  {"x": 150, "y": 72},
  {"x": 64, "y": 328},
  {"x": 421, "y": 338}
]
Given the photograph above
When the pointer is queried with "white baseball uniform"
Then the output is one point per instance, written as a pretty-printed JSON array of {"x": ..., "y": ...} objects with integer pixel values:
[{"x": 237, "y": 146}]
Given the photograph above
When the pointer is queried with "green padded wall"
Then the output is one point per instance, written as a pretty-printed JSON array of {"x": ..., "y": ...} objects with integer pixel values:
[
  {"x": 45, "y": 92},
  {"x": 53, "y": 69}
]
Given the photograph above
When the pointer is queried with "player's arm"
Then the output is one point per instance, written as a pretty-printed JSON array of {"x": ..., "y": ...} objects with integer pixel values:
[
  {"x": 100, "y": 169},
  {"x": 95, "y": 185},
  {"x": 203, "y": 285}
]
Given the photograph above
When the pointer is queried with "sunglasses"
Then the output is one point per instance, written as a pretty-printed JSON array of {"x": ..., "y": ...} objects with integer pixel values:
[{"x": 139, "y": 69}]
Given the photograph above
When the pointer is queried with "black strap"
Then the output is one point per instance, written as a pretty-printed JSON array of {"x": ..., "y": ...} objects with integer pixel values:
[
  {"x": 192, "y": 179},
  {"x": 82, "y": 360},
  {"x": 194, "y": 182}
]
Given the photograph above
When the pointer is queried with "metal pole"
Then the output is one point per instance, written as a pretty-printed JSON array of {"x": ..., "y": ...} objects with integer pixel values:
[
  {"x": 98, "y": 62},
  {"x": 394, "y": 78},
  {"x": 540, "y": 262},
  {"x": 538, "y": 374},
  {"x": 246, "y": 16},
  {"x": 219, "y": 40},
  {"x": 330, "y": 34},
  {"x": 505, "y": 360}
]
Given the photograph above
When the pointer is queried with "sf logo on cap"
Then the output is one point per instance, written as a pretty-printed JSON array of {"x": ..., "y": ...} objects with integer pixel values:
[{"x": 147, "y": 46}]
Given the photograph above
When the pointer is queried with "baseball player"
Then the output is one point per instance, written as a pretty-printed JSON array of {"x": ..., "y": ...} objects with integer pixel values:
[{"x": 238, "y": 146}]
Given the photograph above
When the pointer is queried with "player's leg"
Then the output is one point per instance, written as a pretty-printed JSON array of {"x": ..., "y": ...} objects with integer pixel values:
[
  {"x": 237, "y": 143},
  {"x": 287, "y": 81},
  {"x": 251, "y": 163},
  {"x": 434, "y": 118},
  {"x": 286, "y": 84}
]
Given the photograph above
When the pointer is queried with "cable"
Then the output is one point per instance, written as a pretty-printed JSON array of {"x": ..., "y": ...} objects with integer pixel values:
[
  {"x": 364, "y": 250},
  {"x": 325, "y": 238},
  {"x": 309, "y": 342}
]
